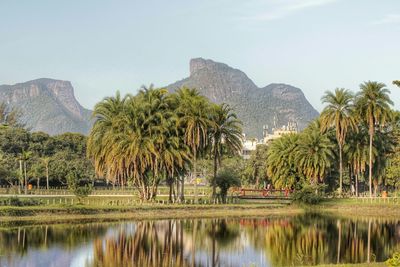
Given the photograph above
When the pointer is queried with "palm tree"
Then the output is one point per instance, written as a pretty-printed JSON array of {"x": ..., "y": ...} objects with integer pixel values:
[
  {"x": 356, "y": 151},
  {"x": 281, "y": 161},
  {"x": 107, "y": 122},
  {"x": 373, "y": 105},
  {"x": 314, "y": 155},
  {"x": 397, "y": 82},
  {"x": 46, "y": 162},
  {"x": 338, "y": 114},
  {"x": 225, "y": 133},
  {"x": 194, "y": 118},
  {"x": 24, "y": 157}
]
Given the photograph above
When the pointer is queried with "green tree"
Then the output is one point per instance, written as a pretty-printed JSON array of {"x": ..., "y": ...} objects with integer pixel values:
[
  {"x": 397, "y": 82},
  {"x": 226, "y": 135},
  {"x": 78, "y": 185},
  {"x": 46, "y": 163},
  {"x": 24, "y": 157},
  {"x": 194, "y": 117},
  {"x": 339, "y": 115},
  {"x": 373, "y": 106},
  {"x": 314, "y": 155},
  {"x": 357, "y": 153},
  {"x": 137, "y": 138},
  {"x": 256, "y": 166},
  {"x": 282, "y": 167},
  {"x": 225, "y": 179}
]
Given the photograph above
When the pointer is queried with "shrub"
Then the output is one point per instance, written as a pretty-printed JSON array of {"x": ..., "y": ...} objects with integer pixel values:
[
  {"x": 17, "y": 202},
  {"x": 226, "y": 178},
  {"x": 74, "y": 184},
  {"x": 309, "y": 194},
  {"x": 394, "y": 261}
]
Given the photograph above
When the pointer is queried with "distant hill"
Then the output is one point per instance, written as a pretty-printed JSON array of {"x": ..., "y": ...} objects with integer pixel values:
[
  {"x": 47, "y": 105},
  {"x": 255, "y": 106},
  {"x": 50, "y": 106}
]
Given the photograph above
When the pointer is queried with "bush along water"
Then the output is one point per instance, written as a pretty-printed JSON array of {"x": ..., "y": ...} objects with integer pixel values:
[{"x": 309, "y": 194}]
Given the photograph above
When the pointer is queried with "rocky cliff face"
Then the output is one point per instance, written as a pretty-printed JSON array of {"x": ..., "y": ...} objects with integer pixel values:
[
  {"x": 50, "y": 106},
  {"x": 255, "y": 106},
  {"x": 47, "y": 105}
]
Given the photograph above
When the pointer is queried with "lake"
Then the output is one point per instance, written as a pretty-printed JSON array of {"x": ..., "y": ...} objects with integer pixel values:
[{"x": 306, "y": 239}]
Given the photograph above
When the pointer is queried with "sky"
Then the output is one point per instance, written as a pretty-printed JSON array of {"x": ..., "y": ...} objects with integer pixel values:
[{"x": 102, "y": 46}]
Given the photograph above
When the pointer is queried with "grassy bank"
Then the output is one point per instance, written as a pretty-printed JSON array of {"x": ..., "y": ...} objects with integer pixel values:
[
  {"x": 57, "y": 214},
  {"x": 89, "y": 212}
]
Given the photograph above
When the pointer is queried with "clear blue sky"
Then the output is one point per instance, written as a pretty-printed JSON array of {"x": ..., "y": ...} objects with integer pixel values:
[{"x": 103, "y": 46}]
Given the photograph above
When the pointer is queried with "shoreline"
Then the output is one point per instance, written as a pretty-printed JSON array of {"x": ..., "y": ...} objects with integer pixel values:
[{"x": 31, "y": 215}]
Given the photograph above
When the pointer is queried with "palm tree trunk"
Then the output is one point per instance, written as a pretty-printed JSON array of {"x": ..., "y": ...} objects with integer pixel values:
[
  {"x": 340, "y": 170},
  {"x": 177, "y": 188},
  {"x": 214, "y": 182},
  {"x": 22, "y": 177},
  {"x": 182, "y": 196},
  {"x": 47, "y": 176},
  {"x": 371, "y": 135},
  {"x": 357, "y": 184},
  {"x": 194, "y": 177},
  {"x": 170, "y": 191},
  {"x": 26, "y": 179}
]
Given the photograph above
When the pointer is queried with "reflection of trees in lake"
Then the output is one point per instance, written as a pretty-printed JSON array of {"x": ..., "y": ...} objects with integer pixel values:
[
  {"x": 312, "y": 239},
  {"x": 19, "y": 240},
  {"x": 166, "y": 243},
  {"x": 300, "y": 240},
  {"x": 150, "y": 244}
]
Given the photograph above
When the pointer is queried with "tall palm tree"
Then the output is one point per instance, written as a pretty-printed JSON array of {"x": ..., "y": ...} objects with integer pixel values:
[
  {"x": 107, "y": 122},
  {"x": 373, "y": 105},
  {"x": 356, "y": 151},
  {"x": 46, "y": 162},
  {"x": 24, "y": 157},
  {"x": 194, "y": 118},
  {"x": 226, "y": 133},
  {"x": 338, "y": 114}
]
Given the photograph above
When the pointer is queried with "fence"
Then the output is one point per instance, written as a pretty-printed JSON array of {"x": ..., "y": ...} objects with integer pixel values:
[
  {"x": 57, "y": 191},
  {"x": 109, "y": 202},
  {"x": 377, "y": 200}
]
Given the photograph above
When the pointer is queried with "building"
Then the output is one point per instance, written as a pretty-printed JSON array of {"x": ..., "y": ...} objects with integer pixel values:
[{"x": 250, "y": 144}]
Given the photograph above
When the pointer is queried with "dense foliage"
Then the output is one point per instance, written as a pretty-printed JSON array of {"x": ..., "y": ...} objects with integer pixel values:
[
  {"x": 357, "y": 134},
  {"x": 39, "y": 159},
  {"x": 155, "y": 136}
]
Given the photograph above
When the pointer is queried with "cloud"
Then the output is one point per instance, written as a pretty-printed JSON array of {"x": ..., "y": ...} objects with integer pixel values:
[
  {"x": 281, "y": 9},
  {"x": 388, "y": 19}
]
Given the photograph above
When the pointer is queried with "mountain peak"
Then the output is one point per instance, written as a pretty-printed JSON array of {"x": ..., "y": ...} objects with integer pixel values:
[
  {"x": 45, "y": 100},
  {"x": 254, "y": 106},
  {"x": 198, "y": 64}
]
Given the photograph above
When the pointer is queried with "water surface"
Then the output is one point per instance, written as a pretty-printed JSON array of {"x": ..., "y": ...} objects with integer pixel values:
[{"x": 307, "y": 239}]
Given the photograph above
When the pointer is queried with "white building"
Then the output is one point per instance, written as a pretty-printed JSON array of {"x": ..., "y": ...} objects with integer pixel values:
[{"x": 250, "y": 144}]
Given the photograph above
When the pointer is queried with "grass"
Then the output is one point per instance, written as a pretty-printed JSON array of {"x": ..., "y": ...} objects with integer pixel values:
[
  {"x": 111, "y": 209},
  {"x": 372, "y": 264},
  {"x": 59, "y": 213}
]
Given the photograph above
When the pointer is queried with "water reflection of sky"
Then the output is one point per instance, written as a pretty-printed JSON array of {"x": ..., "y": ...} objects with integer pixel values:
[{"x": 234, "y": 243}]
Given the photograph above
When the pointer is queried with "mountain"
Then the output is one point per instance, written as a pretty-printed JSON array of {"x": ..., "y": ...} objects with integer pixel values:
[
  {"x": 47, "y": 105},
  {"x": 254, "y": 106}
]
